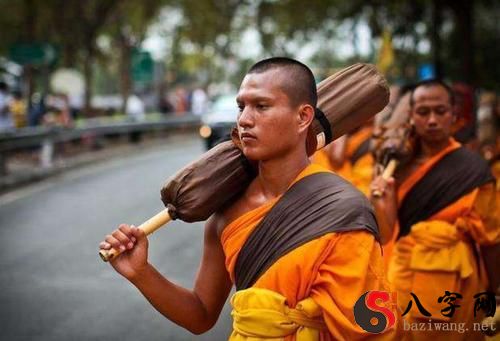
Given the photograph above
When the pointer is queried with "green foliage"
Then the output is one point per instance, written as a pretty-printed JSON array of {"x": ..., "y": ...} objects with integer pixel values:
[
  {"x": 205, "y": 21},
  {"x": 210, "y": 30}
]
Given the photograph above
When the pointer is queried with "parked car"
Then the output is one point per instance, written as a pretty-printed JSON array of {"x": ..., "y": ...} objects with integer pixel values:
[{"x": 219, "y": 120}]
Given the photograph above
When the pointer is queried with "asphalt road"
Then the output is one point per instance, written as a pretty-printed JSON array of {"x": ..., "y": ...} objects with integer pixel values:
[{"x": 53, "y": 285}]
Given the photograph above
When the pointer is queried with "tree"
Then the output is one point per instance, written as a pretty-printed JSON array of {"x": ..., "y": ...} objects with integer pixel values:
[
  {"x": 90, "y": 17},
  {"x": 129, "y": 24},
  {"x": 23, "y": 22},
  {"x": 205, "y": 37},
  {"x": 73, "y": 25},
  {"x": 458, "y": 52}
]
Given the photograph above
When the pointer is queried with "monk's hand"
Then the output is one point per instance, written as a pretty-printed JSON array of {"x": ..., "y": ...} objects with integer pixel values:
[
  {"x": 380, "y": 188},
  {"x": 133, "y": 245}
]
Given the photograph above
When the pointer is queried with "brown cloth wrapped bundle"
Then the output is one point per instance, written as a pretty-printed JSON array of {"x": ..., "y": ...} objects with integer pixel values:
[
  {"x": 207, "y": 184},
  {"x": 347, "y": 99},
  {"x": 401, "y": 113},
  {"x": 395, "y": 139}
]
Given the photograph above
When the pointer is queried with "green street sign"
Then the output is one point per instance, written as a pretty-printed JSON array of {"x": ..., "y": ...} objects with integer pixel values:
[
  {"x": 32, "y": 53},
  {"x": 142, "y": 66}
]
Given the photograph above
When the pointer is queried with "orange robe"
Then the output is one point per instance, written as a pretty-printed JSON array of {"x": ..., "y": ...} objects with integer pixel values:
[
  {"x": 359, "y": 173},
  {"x": 495, "y": 169},
  {"x": 439, "y": 254},
  {"x": 362, "y": 173},
  {"x": 334, "y": 270}
]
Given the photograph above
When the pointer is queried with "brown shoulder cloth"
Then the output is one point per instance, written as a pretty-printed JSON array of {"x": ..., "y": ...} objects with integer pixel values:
[{"x": 314, "y": 206}]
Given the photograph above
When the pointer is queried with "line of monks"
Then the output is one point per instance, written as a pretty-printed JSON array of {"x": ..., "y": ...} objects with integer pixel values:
[
  {"x": 445, "y": 246},
  {"x": 303, "y": 247}
]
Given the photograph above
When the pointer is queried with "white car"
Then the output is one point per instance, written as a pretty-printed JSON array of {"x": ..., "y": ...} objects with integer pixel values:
[{"x": 219, "y": 120}]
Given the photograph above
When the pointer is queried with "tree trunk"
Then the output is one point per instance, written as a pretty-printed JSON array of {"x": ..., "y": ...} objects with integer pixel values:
[
  {"x": 88, "y": 76},
  {"x": 465, "y": 30},
  {"x": 31, "y": 15},
  {"x": 437, "y": 18},
  {"x": 125, "y": 78},
  {"x": 69, "y": 56},
  {"x": 29, "y": 84}
]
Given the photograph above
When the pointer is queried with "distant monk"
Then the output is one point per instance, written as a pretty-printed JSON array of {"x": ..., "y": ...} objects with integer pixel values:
[
  {"x": 350, "y": 157},
  {"x": 444, "y": 208}
]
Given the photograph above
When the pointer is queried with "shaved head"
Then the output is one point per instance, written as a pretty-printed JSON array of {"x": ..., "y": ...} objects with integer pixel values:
[
  {"x": 296, "y": 79},
  {"x": 431, "y": 83}
]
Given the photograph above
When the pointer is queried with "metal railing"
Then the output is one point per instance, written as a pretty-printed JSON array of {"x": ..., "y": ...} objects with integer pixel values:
[{"x": 46, "y": 137}]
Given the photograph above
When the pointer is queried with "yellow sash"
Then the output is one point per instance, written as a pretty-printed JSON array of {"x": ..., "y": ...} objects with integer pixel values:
[
  {"x": 261, "y": 314},
  {"x": 440, "y": 246}
]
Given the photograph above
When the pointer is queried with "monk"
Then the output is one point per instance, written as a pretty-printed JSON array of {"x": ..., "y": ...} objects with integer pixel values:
[
  {"x": 437, "y": 212},
  {"x": 350, "y": 157},
  {"x": 361, "y": 159},
  {"x": 300, "y": 245}
]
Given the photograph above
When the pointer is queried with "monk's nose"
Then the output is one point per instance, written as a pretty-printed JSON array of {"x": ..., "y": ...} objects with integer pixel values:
[
  {"x": 245, "y": 120},
  {"x": 432, "y": 121}
]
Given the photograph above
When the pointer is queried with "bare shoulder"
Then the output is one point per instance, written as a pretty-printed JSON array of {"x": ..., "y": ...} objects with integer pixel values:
[
  {"x": 248, "y": 201},
  {"x": 214, "y": 225}
]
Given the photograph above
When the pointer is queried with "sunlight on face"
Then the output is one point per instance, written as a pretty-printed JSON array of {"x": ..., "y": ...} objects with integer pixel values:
[{"x": 267, "y": 122}]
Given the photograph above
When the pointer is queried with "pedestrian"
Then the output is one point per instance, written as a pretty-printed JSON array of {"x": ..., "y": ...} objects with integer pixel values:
[
  {"x": 5, "y": 114},
  {"x": 18, "y": 110},
  {"x": 199, "y": 101}
]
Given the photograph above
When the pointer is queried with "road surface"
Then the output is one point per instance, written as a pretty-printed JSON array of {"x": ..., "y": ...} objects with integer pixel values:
[{"x": 53, "y": 284}]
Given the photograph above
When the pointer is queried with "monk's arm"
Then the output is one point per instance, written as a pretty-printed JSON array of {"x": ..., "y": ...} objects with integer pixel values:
[
  {"x": 385, "y": 207},
  {"x": 483, "y": 222},
  {"x": 491, "y": 258},
  {"x": 196, "y": 310}
]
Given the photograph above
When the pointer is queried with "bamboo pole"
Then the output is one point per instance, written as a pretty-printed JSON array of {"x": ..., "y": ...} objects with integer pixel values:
[
  {"x": 386, "y": 174},
  {"x": 149, "y": 226}
]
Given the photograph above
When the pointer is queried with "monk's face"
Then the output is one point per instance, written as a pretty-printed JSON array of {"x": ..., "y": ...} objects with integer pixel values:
[
  {"x": 268, "y": 124},
  {"x": 432, "y": 113}
]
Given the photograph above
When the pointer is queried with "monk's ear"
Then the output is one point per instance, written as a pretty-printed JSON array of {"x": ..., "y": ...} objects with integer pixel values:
[
  {"x": 305, "y": 117},
  {"x": 411, "y": 114}
]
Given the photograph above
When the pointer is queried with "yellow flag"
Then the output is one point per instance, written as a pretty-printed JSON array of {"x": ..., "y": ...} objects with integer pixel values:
[{"x": 386, "y": 53}]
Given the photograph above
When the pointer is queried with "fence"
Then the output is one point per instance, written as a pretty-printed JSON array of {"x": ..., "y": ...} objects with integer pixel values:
[{"x": 47, "y": 137}]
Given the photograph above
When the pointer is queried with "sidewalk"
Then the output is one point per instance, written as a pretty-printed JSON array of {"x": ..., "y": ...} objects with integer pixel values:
[{"x": 24, "y": 167}]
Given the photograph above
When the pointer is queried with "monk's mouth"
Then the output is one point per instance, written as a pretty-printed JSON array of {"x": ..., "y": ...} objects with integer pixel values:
[{"x": 248, "y": 138}]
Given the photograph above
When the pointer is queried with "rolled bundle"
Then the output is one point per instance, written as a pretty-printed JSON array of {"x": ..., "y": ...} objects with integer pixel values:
[
  {"x": 401, "y": 113},
  {"x": 347, "y": 99},
  {"x": 395, "y": 139},
  {"x": 207, "y": 184}
]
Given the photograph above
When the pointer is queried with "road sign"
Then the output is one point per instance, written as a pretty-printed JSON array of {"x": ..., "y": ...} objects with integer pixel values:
[
  {"x": 142, "y": 66},
  {"x": 32, "y": 53}
]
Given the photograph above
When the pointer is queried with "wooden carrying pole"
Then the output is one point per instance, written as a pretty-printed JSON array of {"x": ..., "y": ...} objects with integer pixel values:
[
  {"x": 386, "y": 174},
  {"x": 149, "y": 226}
]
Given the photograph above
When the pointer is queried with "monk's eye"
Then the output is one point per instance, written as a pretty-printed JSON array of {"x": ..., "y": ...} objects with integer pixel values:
[
  {"x": 441, "y": 110},
  {"x": 423, "y": 111},
  {"x": 241, "y": 107},
  {"x": 262, "y": 106}
]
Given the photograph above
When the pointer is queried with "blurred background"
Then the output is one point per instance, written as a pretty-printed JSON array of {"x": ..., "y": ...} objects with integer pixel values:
[
  {"x": 97, "y": 55},
  {"x": 102, "y": 100}
]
